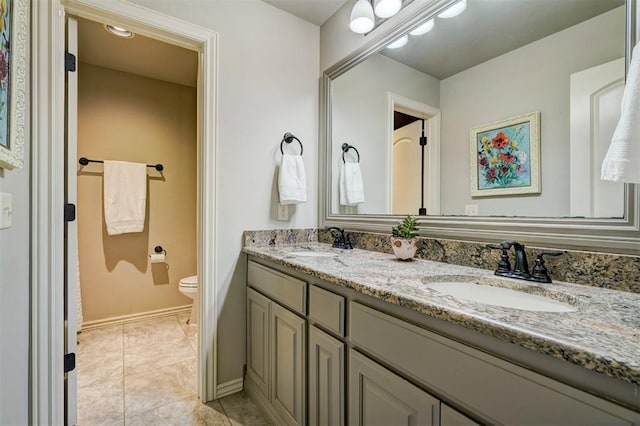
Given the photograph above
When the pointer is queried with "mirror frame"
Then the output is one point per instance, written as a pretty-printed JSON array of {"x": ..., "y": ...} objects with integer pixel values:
[{"x": 619, "y": 235}]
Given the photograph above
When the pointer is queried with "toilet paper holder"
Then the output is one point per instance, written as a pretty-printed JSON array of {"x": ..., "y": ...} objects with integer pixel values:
[{"x": 159, "y": 256}]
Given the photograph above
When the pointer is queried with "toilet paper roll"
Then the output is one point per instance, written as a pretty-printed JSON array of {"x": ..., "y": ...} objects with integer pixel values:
[{"x": 156, "y": 257}]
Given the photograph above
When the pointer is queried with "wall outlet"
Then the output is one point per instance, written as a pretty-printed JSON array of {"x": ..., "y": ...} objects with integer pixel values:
[
  {"x": 283, "y": 212},
  {"x": 471, "y": 210}
]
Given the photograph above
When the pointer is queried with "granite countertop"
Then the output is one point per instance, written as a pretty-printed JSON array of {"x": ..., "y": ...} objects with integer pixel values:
[{"x": 602, "y": 334}]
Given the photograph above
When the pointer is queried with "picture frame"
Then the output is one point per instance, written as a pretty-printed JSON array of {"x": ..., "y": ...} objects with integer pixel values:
[
  {"x": 14, "y": 28},
  {"x": 505, "y": 157}
]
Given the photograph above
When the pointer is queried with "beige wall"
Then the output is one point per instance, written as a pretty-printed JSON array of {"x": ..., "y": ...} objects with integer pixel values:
[{"x": 131, "y": 118}]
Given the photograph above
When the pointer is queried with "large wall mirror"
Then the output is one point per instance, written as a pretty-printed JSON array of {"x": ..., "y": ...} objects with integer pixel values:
[{"x": 517, "y": 101}]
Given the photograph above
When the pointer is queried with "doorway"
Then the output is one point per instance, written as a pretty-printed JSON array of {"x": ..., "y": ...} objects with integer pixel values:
[
  {"x": 135, "y": 350},
  {"x": 50, "y": 264},
  {"x": 414, "y": 181}
]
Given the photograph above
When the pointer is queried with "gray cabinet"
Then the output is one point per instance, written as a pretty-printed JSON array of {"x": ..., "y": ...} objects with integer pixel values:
[
  {"x": 258, "y": 312},
  {"x": 451, "y": 417},
  {"x": 275, "y": 357},
  {"x": 304, "y": 341},
  {"x": 287, "y": 369},
  {"x": 493, "y": 389},
  {"x": 379, "y": 397},
  {"x": 326, "y": 379}
]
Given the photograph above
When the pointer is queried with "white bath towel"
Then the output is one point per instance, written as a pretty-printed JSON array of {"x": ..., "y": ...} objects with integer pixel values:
[
  {"x": 351, "y": 185},
  {"x": 292, "y": 180},
  {"x": 622, "y": 162},
  {"x": 125, "y": 196}
]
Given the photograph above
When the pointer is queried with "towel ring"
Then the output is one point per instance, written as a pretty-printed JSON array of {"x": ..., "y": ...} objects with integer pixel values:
[
  {"x": 288, "y": 138},
  {"x": 346, "y": 147}
]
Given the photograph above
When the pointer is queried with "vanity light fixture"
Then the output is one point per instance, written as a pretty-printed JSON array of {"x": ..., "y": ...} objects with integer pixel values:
[
  {"x": 398, "y": 43},
  {"x": 454, "y": 10},
  {"x": 387, "y": 8},
  {"x": 423, "y": 29},
  {"x": 118, "y": 31},
  {"x": 362, "y": 19}
]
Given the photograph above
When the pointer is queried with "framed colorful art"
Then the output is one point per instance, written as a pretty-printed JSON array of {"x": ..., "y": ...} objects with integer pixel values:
[{"x": 505, "y": 157}]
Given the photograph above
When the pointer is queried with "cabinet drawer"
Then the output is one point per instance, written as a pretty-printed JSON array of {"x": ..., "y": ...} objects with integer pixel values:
[
  {"x": 282, "y": 288},
  {"x": 498, "y": 391},
  {"x": 327, "y": 309}
]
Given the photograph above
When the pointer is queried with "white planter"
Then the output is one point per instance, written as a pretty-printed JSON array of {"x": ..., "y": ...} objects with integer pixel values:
[{"x": 404, "y": 248}]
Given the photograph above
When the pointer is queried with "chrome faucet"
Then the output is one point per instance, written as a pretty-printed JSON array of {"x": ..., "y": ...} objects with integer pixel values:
[
  {"x": 340, "y": 240},
  {"x": 521, "y": 267}
]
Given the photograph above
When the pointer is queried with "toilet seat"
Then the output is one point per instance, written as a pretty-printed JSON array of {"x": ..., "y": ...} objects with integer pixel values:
[
  {"x": 189, "y": 287},
  {"x": 189, "y": 282}
]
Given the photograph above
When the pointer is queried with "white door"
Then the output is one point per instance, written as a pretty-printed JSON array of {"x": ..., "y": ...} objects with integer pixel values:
[
  {"x": 596, "y": 94},
  {"x": 407, "y": 155},
  {"x": 71, "y": 227}
]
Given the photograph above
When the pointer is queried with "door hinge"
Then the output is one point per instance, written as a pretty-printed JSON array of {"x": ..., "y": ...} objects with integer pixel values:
[
  {"x": 69, "y": 62},
  {"x": 69, "y": 212},
  {"x": 69, "y": 362}
]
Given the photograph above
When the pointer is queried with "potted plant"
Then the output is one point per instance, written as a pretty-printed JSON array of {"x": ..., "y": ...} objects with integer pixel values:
[{"x": 403, "y": 239}]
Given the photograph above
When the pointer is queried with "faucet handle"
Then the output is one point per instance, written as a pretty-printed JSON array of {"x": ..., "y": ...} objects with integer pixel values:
[
  {"x": 338, "y": 236},
  {"x": 540, "y": 272},
  {"x": 347, "y": 243},
  {"x": 504, "y": 265}
]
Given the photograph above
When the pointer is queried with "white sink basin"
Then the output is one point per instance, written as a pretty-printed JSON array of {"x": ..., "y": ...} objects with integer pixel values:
[
  {"x": 313, "y": 254},
  {"x": 500, "y": 296}
]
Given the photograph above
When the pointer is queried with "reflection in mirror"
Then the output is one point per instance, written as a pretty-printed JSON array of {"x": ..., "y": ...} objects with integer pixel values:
[{"x": 499, "y": 59}]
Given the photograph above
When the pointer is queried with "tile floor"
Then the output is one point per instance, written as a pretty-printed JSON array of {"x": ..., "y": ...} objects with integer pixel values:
[{"x": 144, "y": 373}]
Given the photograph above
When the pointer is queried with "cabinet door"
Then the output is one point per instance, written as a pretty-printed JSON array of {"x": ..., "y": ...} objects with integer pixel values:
[
  {"x": 287, "y": 369},
  {"x": 326, "y": 379},
  {"x": 379, "y": 397},
  {"x": 451, "y": 417},
  {"x": 258, "y": 308}
]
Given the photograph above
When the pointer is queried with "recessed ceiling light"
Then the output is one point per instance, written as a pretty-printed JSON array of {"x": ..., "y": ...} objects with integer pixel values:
[
  {"x": 118, "y": 31},
  {"x": 398, "y": 43},
  {"x": 455, "y": 10}
]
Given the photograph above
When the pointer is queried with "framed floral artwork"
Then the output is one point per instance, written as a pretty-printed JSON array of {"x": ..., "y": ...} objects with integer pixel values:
[
  {"x": 505, "y": 157},
  {"x": 14, "y": 40}
]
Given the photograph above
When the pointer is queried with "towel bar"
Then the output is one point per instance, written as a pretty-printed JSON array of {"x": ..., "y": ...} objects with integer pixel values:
[{"x": 84, "y": 161}]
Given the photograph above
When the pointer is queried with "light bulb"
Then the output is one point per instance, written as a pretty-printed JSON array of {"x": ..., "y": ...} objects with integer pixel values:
[
  {"x": 387, "y": 8},
  {"x": 398, "y": 43},
  {"x": 454, "y": 10},
  {"x": 362, "y": 19},
  {"x": 423, "y": 29}
]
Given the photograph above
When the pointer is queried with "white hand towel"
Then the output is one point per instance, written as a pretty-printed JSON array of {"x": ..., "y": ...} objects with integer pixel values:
[
  {"x": 292, "y": 181},
  {"x": 351, "y": 186},
  {"x": 622, "y": 162},
  {"x": 125, "y": 196}
]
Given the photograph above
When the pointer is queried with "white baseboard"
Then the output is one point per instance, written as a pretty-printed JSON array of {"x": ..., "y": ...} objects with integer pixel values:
[
  {"x": 124, "y": 319},
  {"x": 227, "y": 388}
]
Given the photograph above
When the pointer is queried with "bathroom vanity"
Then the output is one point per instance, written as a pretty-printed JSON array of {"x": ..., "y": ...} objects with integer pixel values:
[{"x": 357, "y": 337}]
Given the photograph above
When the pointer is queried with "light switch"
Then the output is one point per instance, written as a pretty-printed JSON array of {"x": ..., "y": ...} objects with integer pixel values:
[{"x": 6, "y": 210}]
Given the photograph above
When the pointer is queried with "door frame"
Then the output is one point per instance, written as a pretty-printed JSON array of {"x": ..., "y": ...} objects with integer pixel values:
[
  {"x": 414, "y": 108},
  {"x": 47, "y": 186}
]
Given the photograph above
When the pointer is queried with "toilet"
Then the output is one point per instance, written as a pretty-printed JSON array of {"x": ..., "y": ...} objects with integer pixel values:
[{"x": 189, "y": 287}]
